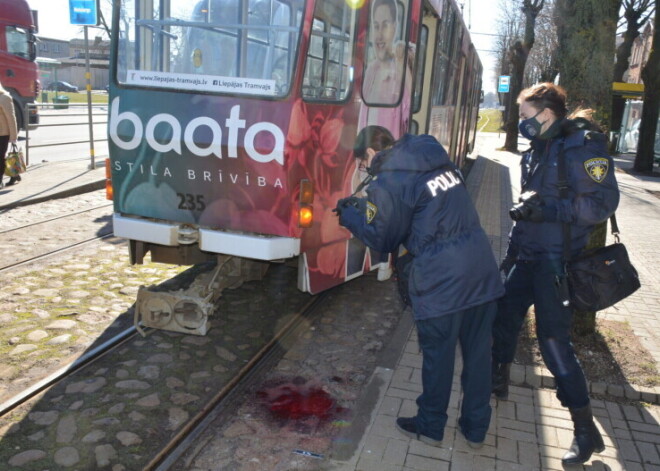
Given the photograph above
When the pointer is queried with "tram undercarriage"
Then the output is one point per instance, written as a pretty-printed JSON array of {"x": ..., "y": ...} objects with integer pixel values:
[{"x": 188, "y": 310}]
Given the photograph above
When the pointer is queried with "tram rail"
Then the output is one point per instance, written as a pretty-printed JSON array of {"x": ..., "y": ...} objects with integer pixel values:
[
  {"x": 6, "y": 268},
  {"x": 164, "y": 452},
  {"x": 37, "y": 230},
  {"x": 32, "y": 224}
]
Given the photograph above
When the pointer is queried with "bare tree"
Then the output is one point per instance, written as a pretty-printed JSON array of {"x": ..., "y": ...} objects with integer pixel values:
[
  {"x": 651, "y": 108},
  {"x": 517, "y": 56},
  {"x": 542, "y": 63},
  {"x": 635, "y": 15},
  {"x": 510, "y": 21}
]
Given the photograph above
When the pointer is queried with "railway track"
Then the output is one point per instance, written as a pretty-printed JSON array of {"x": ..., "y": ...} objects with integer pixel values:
[
  {"x": 44, "y": 238},
  {"x": 179, "y": 443},
  {"x": 206, "y": 370},
  {"x": 152, "y": 402}
]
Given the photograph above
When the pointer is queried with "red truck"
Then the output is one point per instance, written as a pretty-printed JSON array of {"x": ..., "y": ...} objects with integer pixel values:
[{"x": 19, "y": 73}]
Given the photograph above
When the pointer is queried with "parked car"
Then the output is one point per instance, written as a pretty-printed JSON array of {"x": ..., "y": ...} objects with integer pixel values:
[{"x": 62, "y": 87}]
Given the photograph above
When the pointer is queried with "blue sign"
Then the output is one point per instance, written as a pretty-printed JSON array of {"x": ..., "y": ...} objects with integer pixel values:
[
  {"x": 503, "y": 85},
  {"x": 83, "y": 12}
]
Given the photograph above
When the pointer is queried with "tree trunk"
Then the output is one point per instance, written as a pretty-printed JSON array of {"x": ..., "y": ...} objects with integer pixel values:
[
  {"x": 587, "y": 31},
  {"x": 651, "y": 108},
  {"x": 587, "y": 34},
  {"x": 518, "y": 57},
  {"x": 584, "y": 323}
]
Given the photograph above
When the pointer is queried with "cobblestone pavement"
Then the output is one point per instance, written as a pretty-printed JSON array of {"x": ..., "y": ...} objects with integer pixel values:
[{"x": 30, "y": 214}]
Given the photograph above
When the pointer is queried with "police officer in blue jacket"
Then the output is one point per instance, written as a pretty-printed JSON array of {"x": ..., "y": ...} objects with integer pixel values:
[
  {"x": 533, "y": 264},
  {"x": 418, "y": 198}
]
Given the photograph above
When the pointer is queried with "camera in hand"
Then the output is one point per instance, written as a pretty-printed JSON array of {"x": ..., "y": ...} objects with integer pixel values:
[{"x": 523, "y": 209}]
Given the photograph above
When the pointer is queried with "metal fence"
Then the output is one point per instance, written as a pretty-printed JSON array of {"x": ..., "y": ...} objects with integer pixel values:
[{"x": 94, "y": 115}]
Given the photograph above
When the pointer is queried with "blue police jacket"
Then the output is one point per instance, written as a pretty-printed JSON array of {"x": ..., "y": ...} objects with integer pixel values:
[
  {"x": 593, "y": 194},
  {"x": 418, "y": 199}
]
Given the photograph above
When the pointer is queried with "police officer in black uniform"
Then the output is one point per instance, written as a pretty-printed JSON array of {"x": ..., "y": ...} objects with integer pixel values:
[
  {"x": 418, "y": 198},
  {"x": 533, "y": 264}
]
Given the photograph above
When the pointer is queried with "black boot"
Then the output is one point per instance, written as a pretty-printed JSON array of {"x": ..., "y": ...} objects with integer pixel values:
[
  {"x": 587, "y": 437},
  {"x": 500, "y": 379},
  {"x": 12, "y": 180}
]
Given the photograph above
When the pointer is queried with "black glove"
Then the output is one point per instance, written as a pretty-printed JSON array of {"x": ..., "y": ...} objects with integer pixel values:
[
  {"x": 535, "y": 210},
  {"x": 345, "y": 202},
  {"x": 539, "y": 212}
]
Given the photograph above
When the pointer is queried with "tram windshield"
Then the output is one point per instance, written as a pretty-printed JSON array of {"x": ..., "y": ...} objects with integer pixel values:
[{"x": 218, "y": 46}]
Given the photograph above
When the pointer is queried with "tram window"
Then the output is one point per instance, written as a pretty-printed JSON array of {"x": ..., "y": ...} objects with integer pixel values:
[
  {"x": 441, "y": 72},
  {"x": 328, "y": 69},
  {"x": 386, "y": 64},
  {"x": 222, "y": 46},
  {"x": 421, "y": 64}
]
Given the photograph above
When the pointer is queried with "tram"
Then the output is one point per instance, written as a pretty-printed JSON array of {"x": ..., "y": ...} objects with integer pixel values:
[{"x": 232, "y": 122}]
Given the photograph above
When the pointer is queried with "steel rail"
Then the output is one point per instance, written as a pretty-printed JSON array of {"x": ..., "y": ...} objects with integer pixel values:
[
  {"x": 178, "y": 445},
  {"x": 5, "y": 231}
]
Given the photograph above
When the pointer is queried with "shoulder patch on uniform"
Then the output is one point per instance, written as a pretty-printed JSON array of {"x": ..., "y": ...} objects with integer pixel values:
[
  {"x": 597, "y": 168},
  {"x": 371, "y": 211}
]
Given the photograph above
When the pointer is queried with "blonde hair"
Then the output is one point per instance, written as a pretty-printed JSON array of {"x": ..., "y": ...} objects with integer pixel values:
[{"x": 584, "y": 118}]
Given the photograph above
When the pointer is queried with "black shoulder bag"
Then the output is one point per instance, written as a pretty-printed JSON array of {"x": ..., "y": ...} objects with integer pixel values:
[{"x": 597, "y": 278}]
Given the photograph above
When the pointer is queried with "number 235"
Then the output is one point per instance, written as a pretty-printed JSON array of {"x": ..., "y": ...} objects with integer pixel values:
[{"x": 191, "y": 202}]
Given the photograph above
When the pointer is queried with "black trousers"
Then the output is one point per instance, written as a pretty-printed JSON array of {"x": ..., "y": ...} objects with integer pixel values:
[
  {"x": 534, "y": 283},
  {"x": 4, "y": 144}
]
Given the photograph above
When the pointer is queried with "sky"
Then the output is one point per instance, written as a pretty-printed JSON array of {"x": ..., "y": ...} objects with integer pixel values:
[
  {"x": 481, "y": 15},
  {"x": 54, "y": 20}
]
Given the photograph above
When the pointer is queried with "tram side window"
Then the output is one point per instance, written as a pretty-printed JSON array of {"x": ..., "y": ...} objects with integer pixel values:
[
  {"x": 443, "y": 66},
  {"x": 329, "y": 65},
  {"x": 421, "y": 67},
  {"x": 203, "y": 45}
]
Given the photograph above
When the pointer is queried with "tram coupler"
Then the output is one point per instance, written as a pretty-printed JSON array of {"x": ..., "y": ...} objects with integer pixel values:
[{"x": 188, "y": 310}]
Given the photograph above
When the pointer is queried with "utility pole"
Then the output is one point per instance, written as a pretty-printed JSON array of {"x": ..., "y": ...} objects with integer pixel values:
[{"x": 88, "y": 82}]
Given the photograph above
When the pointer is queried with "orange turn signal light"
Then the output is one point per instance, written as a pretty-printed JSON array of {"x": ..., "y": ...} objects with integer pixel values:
[
  {"x": 109, "y": 194},
  {"x": 305, "y": 216}
]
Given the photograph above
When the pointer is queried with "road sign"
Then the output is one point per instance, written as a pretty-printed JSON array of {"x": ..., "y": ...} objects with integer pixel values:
[
  {"x": 83, "y": 12},
  {"x": 503, "y": 85}
]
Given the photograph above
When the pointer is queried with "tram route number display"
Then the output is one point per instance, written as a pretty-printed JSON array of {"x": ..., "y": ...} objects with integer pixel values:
[{"x": 191, "y": 202}]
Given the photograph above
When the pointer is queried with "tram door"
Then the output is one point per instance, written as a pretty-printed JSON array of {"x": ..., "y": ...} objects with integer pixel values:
[
  {"x": 456, "y": 148},
  {"x": 421, "y": 100}
]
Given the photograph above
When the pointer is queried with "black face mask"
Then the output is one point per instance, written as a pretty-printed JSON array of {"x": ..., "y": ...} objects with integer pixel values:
[{"x": 530, "y": 128}]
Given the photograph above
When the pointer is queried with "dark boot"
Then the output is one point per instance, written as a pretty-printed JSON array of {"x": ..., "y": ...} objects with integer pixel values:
[
  {"x": 12, "y": 180},
  {"x": 587, "y": 438},
  {"x": 500, "y": 379}
]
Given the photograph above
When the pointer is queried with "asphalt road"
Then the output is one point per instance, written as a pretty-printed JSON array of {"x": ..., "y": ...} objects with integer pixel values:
[{"x": 54, "y": 139}]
